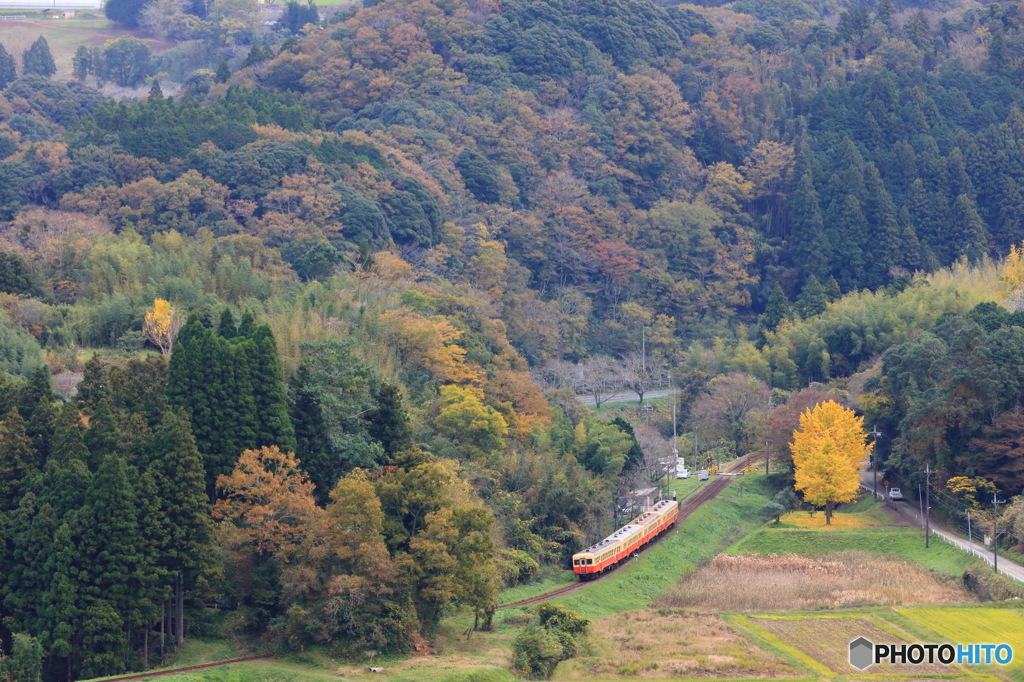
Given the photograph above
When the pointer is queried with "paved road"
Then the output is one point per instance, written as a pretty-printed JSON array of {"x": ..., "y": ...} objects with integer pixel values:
[
  {"x": 907, "y": 511},
  {"x": 624, "y": 397}
]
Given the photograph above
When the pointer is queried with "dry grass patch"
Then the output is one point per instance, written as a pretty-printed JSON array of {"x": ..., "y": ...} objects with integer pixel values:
[
  {"x": 732, "y": 584},
  {"x": 670, "y": 643},
  {"x": 816, "y": 520}
]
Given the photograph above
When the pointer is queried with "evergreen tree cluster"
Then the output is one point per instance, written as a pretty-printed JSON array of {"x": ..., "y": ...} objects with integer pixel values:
[
  {"x": 106, "y": 525},
  {"x": 952, "y": 397},
  {"x": 229, "y": 383}
]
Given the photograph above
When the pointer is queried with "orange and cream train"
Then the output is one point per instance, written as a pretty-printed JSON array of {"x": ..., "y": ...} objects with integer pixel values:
[{"x": 620, "y": 545}]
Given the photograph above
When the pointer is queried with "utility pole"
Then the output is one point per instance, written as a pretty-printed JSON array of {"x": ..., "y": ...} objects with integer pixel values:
[
  {"x": 643, "y": 349},
  {"x": 995, "y": 530},
  {"x": 767, "y": 456},
  {"x": 928, "y": 503},
  {"x": 675, "y": 399},
  {"x": 920, "y": 503},
  {"x": 970, "y": 538},
  {"x": 875, "y": 433}
]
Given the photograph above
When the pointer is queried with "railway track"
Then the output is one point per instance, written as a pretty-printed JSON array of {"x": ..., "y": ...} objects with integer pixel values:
[
  {"x": 709, "y": 492},
  {"x": 188, "y": 669}
]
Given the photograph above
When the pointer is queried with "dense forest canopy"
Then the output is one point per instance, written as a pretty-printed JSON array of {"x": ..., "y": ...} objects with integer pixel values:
[{"x": 397, "y": 243}]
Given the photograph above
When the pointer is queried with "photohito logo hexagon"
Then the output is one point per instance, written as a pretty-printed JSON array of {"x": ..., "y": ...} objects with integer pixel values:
[{"x": 861, "y": 653}]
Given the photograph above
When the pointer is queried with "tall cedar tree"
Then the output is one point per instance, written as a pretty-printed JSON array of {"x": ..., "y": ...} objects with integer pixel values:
[
  {"x": 16, "y": 458},
  {"x": 69, "y": 437},
  {"x": 103, "y": 437},
  {"x": 35, "y": 402},
  {"x": 8, "y": 68},
  {"x": 38, "y": 60},
  {"x": 313, "y": 446},
  {"x": 112, "y": 566},
  {"x": 187, "y": 544},
  {"x": 389, "y": 422},
  {"x": 777, "y": 310},
  {"x": 232, "y": 391},
  {"x": 808, "y": 241}
]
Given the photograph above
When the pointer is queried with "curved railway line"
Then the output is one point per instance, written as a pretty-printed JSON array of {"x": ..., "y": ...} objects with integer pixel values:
[{"x": 686, "y": 507}]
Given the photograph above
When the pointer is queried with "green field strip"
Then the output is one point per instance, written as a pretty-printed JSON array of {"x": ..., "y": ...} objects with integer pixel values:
[
  {"x": 908, "y": 625},
  {"x": 745, "y": 631},
  {"x": 792, "y": 652}
]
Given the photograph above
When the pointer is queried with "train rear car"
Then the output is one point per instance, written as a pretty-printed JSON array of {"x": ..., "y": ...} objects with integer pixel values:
[{"x": 623, "y": 543}]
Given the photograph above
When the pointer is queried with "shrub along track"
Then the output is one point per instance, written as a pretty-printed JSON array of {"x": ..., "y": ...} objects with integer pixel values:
[
  {"x": 191, "y": 668},
  {"x": 709, "y": 492}
]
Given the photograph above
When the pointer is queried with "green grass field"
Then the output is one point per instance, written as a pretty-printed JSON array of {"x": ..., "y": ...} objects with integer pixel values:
[
  {"x": 64, "y": 36},
  {"x": 905, "y": 543}
]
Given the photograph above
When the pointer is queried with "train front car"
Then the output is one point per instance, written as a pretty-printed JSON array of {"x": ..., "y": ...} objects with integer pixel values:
[{"x": 607, "y": 554}]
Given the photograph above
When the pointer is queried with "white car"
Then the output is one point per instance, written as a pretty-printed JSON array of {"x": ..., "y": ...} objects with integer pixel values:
[
  {"x": 682, "y": 473},
  {"x": 895, "y": 494}
]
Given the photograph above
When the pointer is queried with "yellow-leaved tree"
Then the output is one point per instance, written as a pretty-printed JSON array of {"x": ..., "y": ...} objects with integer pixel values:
[
  {"x": 828, "y": 449},
  {"x": 1011, "y": 279},
  {"x": 162, "y": 325}
]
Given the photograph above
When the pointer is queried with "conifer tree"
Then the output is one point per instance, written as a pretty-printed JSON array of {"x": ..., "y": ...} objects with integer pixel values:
[
  {"x": 31, "y": 531},
  {"x": 972, "y": 240},
  {"x": 313, "y": 445},
  {"x": 82, "y": 63},
  {"x": 808, "y": 241},
  {"x": 885, "y": 12},
  {"x": 61, "y": 603},
  {"x": 113, "y": 562},
  {"x": 812, "y": 300},
  {"x": 227, "y": 327},
  {"x": 8, "y": 68},
  {"x": 388, "y": 423},
  {"x": 16, "y": 460},
  {"x": 848, "y": 231},
  {"x": 776, "y": 311},
  {"x": 35, "y": 403},
  {"x": 69, "y": 437},
  {"x": 223, "y": 72},
  {"x": 1009, "y": 224},
  {"x": 93, "y": 387},
  {"x": 103, "y": 436},
  {"x": 271, "y": 398},
  {"x": 883, "y": 246},
  {"x": 38, "y": 60},
  {"x": 185, "y": 549},
  {"x": 914, "y": 255}
]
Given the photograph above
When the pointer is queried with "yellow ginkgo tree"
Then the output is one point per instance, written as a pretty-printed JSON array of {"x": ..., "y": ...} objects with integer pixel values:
[
  {"x": 828, "y": 450},
  {"x": 162, "y": 325},
  {"x": 1011, "y": 279}
]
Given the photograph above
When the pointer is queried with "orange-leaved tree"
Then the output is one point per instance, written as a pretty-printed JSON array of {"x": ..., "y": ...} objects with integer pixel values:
[
  {"x": 162, "y": 325},
  {"x": 828, "y": 449}
]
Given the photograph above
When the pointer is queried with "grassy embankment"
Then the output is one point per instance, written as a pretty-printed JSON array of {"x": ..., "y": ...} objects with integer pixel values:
[{"x": 483, "y": 657}]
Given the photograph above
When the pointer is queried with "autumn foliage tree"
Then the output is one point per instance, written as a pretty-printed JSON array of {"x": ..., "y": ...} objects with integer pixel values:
[
  {"x": 162, "y": 325},
  {"x": 828, "y": 449}
]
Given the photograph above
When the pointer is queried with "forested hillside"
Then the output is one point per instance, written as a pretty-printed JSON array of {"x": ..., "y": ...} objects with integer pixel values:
[{"x": 316, "y": 322}]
